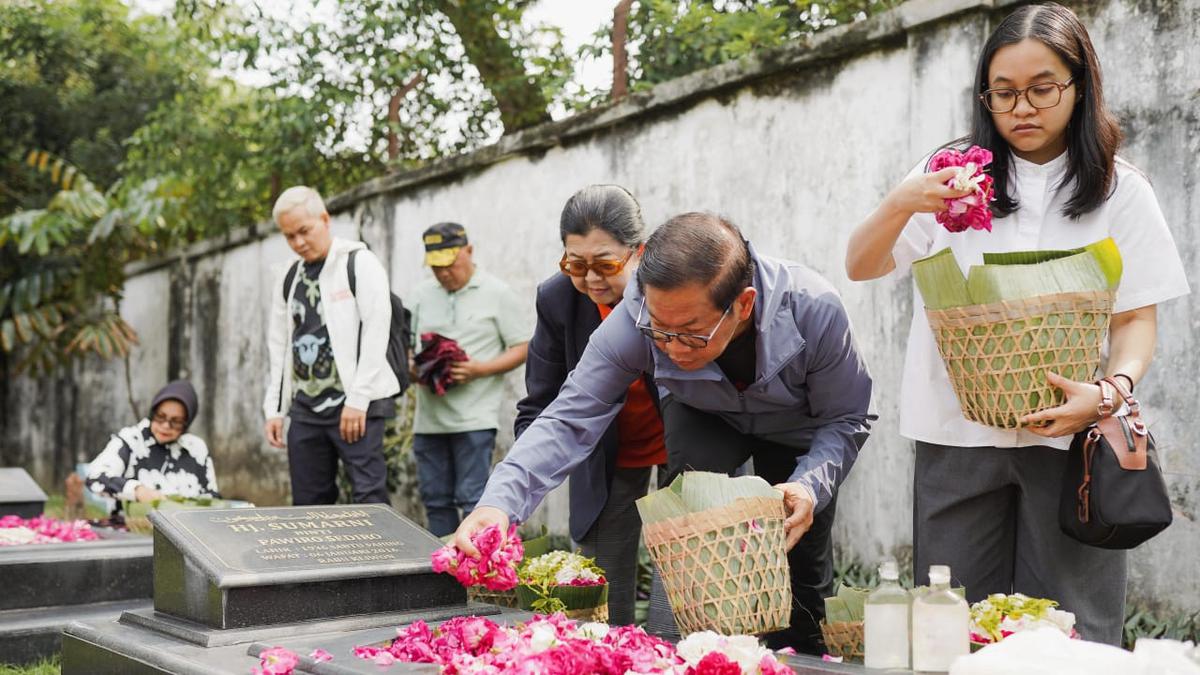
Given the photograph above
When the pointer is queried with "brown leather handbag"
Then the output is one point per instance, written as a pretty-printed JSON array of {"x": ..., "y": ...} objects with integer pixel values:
[{"x": 1113, "y": 493}]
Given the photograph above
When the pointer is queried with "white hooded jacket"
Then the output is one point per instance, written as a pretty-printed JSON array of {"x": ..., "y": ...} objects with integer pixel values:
[{"x": 365, "y": 377}]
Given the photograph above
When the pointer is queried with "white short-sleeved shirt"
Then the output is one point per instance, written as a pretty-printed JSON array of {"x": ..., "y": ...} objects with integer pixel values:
[{"x": 1153, "y": 273}]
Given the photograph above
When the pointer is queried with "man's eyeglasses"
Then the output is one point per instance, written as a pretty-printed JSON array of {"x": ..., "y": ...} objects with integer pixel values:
[
  {"x": 605, "y": 268},
  {"x": 1041, "y": 95},
  {"x": 685, "y": 339},
  {"x": 172, "y": 422}
]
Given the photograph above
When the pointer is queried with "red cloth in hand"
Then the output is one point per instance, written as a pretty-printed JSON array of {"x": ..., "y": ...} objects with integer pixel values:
[{"x": 433, "y": 362}]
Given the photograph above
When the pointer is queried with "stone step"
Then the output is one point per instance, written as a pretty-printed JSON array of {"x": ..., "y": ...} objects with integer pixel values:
[
  {"x": 52, "y": 575},
  {"x": 30, "y": 635}
]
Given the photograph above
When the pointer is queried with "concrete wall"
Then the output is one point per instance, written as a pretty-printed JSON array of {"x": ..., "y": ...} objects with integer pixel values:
[{"x": 796, "y": 146}]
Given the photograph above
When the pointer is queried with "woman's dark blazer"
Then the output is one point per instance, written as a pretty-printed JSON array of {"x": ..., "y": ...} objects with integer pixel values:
[{"x": 565, "y": 321}]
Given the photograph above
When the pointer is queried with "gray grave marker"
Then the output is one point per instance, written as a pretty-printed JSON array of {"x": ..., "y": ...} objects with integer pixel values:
[{"x": 237, "y": 568}]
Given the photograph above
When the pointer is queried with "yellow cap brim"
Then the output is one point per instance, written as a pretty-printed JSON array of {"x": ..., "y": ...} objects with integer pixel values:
[{"x": 442, "y": 257}]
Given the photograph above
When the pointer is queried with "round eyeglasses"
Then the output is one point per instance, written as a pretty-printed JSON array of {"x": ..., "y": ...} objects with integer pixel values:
[{"x": 1041, "y": 96}]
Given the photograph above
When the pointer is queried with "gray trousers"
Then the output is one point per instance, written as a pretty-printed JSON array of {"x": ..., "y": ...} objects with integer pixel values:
[
  {"x": 613, "y": 541},
  {"x": 991, "y": 514}
]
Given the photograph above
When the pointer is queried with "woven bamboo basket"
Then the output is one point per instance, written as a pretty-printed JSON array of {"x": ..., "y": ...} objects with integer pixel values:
[
  {"x": 725, "y": 569},
  {"x": 502, "y": 598},
  {"x": 844, "y": 639},
  {"x": 997, "y": 354}
]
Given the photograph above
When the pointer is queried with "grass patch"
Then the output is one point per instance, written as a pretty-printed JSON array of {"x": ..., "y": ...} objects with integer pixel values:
[{"x": 49, "y": 666}]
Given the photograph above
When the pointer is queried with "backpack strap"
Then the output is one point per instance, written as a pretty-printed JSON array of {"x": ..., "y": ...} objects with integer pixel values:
[
  {"x": 353, "y": 279},
  {"x": 289, "y": 279}
]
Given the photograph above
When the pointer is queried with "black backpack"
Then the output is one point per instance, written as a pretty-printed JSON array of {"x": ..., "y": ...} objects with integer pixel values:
[{"x": 399, "y": 334}]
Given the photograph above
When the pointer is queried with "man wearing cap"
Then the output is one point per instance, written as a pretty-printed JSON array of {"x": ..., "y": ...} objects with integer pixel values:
[
  {"x": 455, "y": 433},
  {"x": 327, "y": 341},
  {"x": 156, "y": 456}
]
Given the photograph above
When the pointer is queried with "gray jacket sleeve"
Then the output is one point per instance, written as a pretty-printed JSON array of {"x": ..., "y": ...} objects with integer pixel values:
[
  {"x": 571, "y": 426},
  {"x": 839, "y": 393}
]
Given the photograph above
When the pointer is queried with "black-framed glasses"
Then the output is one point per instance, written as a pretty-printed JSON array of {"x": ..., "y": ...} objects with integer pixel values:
[
  {"x": 173, "y": 422},
  {"x": 686, "y": 339},
  {"x": 603, "y": 267},
  {"x": 1041, "y": 96}
]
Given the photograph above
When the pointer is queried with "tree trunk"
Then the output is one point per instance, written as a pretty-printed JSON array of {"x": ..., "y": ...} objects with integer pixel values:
[
  {"x": 620, "y": 35},
  {"x": 393, "y": 149},
  {"x": 520, "y": 100}
]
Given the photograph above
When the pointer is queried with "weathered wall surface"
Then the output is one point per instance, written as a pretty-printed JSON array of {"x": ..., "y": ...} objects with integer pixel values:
[{"x": 795, "y": 146}]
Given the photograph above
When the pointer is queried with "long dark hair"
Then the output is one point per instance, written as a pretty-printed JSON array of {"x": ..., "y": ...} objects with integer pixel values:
[
  {"x": 611, "y": 208},
  {"x": 1093, "y": 134}
]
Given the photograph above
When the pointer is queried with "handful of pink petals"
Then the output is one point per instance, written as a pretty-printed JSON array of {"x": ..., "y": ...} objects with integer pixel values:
[
  {"x": 496, "y": 566},
  {"x": 970, "y": 211}
]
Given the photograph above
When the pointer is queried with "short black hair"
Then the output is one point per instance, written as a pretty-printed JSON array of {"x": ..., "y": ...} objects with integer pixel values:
[{"x": 698, "y": 248}]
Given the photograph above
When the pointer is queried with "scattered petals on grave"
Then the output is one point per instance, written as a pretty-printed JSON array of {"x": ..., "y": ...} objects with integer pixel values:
[
  {"x": 972, "y": 210},
  {"x": 320, "y": 656},
  {"x": 496, "y": 566},
  {"x": 556, "y": 645},
  {"x": 276, "y": 661},
  {"x": 15, "y": 531}
]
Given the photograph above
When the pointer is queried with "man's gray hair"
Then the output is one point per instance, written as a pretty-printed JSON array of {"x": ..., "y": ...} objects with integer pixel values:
[{"x": 299, "y": 196}]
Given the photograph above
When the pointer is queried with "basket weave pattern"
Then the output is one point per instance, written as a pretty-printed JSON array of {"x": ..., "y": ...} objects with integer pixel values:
[
  {"x": 501, "y": 598},
  {"x": 725, "y": 569},
  {"x": 598, "y": 614},
  {"x": 844, "y": 639},
  {"x": 997, "y": 354}
]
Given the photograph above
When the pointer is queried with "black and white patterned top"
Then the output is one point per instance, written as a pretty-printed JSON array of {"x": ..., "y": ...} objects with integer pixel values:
[{"x": 134, "y": 457}]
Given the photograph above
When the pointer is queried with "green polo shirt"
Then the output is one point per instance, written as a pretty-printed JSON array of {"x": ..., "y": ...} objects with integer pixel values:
[{"x": 485, "y": 317}]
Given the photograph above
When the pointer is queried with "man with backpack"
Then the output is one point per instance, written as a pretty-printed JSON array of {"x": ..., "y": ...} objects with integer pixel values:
[
  {"x": 455, "y": 430},
  {"x": 331, "y": 370}
]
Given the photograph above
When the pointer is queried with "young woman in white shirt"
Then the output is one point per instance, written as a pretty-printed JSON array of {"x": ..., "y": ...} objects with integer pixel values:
[{"x": 986, "y": 499}]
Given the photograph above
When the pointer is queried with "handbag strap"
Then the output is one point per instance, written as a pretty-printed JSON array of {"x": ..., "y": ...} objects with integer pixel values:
[{"x": 1126, "y": 433}]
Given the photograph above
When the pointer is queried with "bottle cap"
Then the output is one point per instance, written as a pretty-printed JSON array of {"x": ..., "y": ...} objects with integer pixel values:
[
  {"x": 889, "y": 570},
  {"x": 939, "y": 574}
]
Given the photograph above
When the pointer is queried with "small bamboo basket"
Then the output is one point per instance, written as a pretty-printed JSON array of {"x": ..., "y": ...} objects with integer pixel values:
[
  {"x": 584, "y": 603},
  {"x": 844, "y": 639},
  {"x": 725, "y": 569},
  {"x": 997, "y": 354}
]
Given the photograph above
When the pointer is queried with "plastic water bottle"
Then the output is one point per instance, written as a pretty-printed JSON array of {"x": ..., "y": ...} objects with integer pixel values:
[
  {"x": 885, "y": 621},
  {"x": 940, "y": 624}
]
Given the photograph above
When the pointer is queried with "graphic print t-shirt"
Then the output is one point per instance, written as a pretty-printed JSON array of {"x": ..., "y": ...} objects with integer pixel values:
[{"x": 319, "y": 394}]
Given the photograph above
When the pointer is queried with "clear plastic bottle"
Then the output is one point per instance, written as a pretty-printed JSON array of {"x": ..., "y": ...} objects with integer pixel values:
[
  {"x": 885, "y": 621},
  {"x": 940, "y": 624}
]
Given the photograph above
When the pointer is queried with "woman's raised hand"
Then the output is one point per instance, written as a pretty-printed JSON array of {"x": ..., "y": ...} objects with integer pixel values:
[{"x": 924, "y": 193}]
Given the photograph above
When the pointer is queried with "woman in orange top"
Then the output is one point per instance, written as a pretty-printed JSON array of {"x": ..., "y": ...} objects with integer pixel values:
[{"x": 602, "y": 233}]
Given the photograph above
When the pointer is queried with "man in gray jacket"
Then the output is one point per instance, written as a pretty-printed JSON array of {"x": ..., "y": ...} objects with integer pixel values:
[{"x": 756, "y": 359}]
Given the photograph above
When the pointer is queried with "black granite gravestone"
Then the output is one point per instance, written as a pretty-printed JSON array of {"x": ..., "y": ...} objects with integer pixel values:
[
  {"x": 225, "y": 579},
  {"x": 47, "y": 586},
  {"x": 20, "y": 495},
  {"x": 235, "y": 568}
]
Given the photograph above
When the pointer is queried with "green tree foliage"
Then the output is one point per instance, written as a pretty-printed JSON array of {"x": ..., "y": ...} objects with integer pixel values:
[
  {"x": 60, "y": 297},
  {"x": 468, "y": 71},
  {"x": 76, "y": 79},
  {"x": 671, "y": 38}
]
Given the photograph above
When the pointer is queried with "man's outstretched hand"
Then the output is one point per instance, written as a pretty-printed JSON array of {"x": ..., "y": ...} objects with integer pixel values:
[{"x": 479, "y": 519}]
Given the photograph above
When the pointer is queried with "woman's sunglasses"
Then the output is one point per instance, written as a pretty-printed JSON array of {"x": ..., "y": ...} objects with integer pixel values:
[{"x": 605, "y": 268}]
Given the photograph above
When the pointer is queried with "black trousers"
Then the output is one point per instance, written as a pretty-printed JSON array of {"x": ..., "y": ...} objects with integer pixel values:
[
  {"x": 700, "y": 441},
  {"x": 313, "y": 453}
]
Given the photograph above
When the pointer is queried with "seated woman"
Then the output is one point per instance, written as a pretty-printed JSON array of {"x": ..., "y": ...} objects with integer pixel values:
[
  {"x": 602, "y": 231},
  {"x": 155, "y": 457}
]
